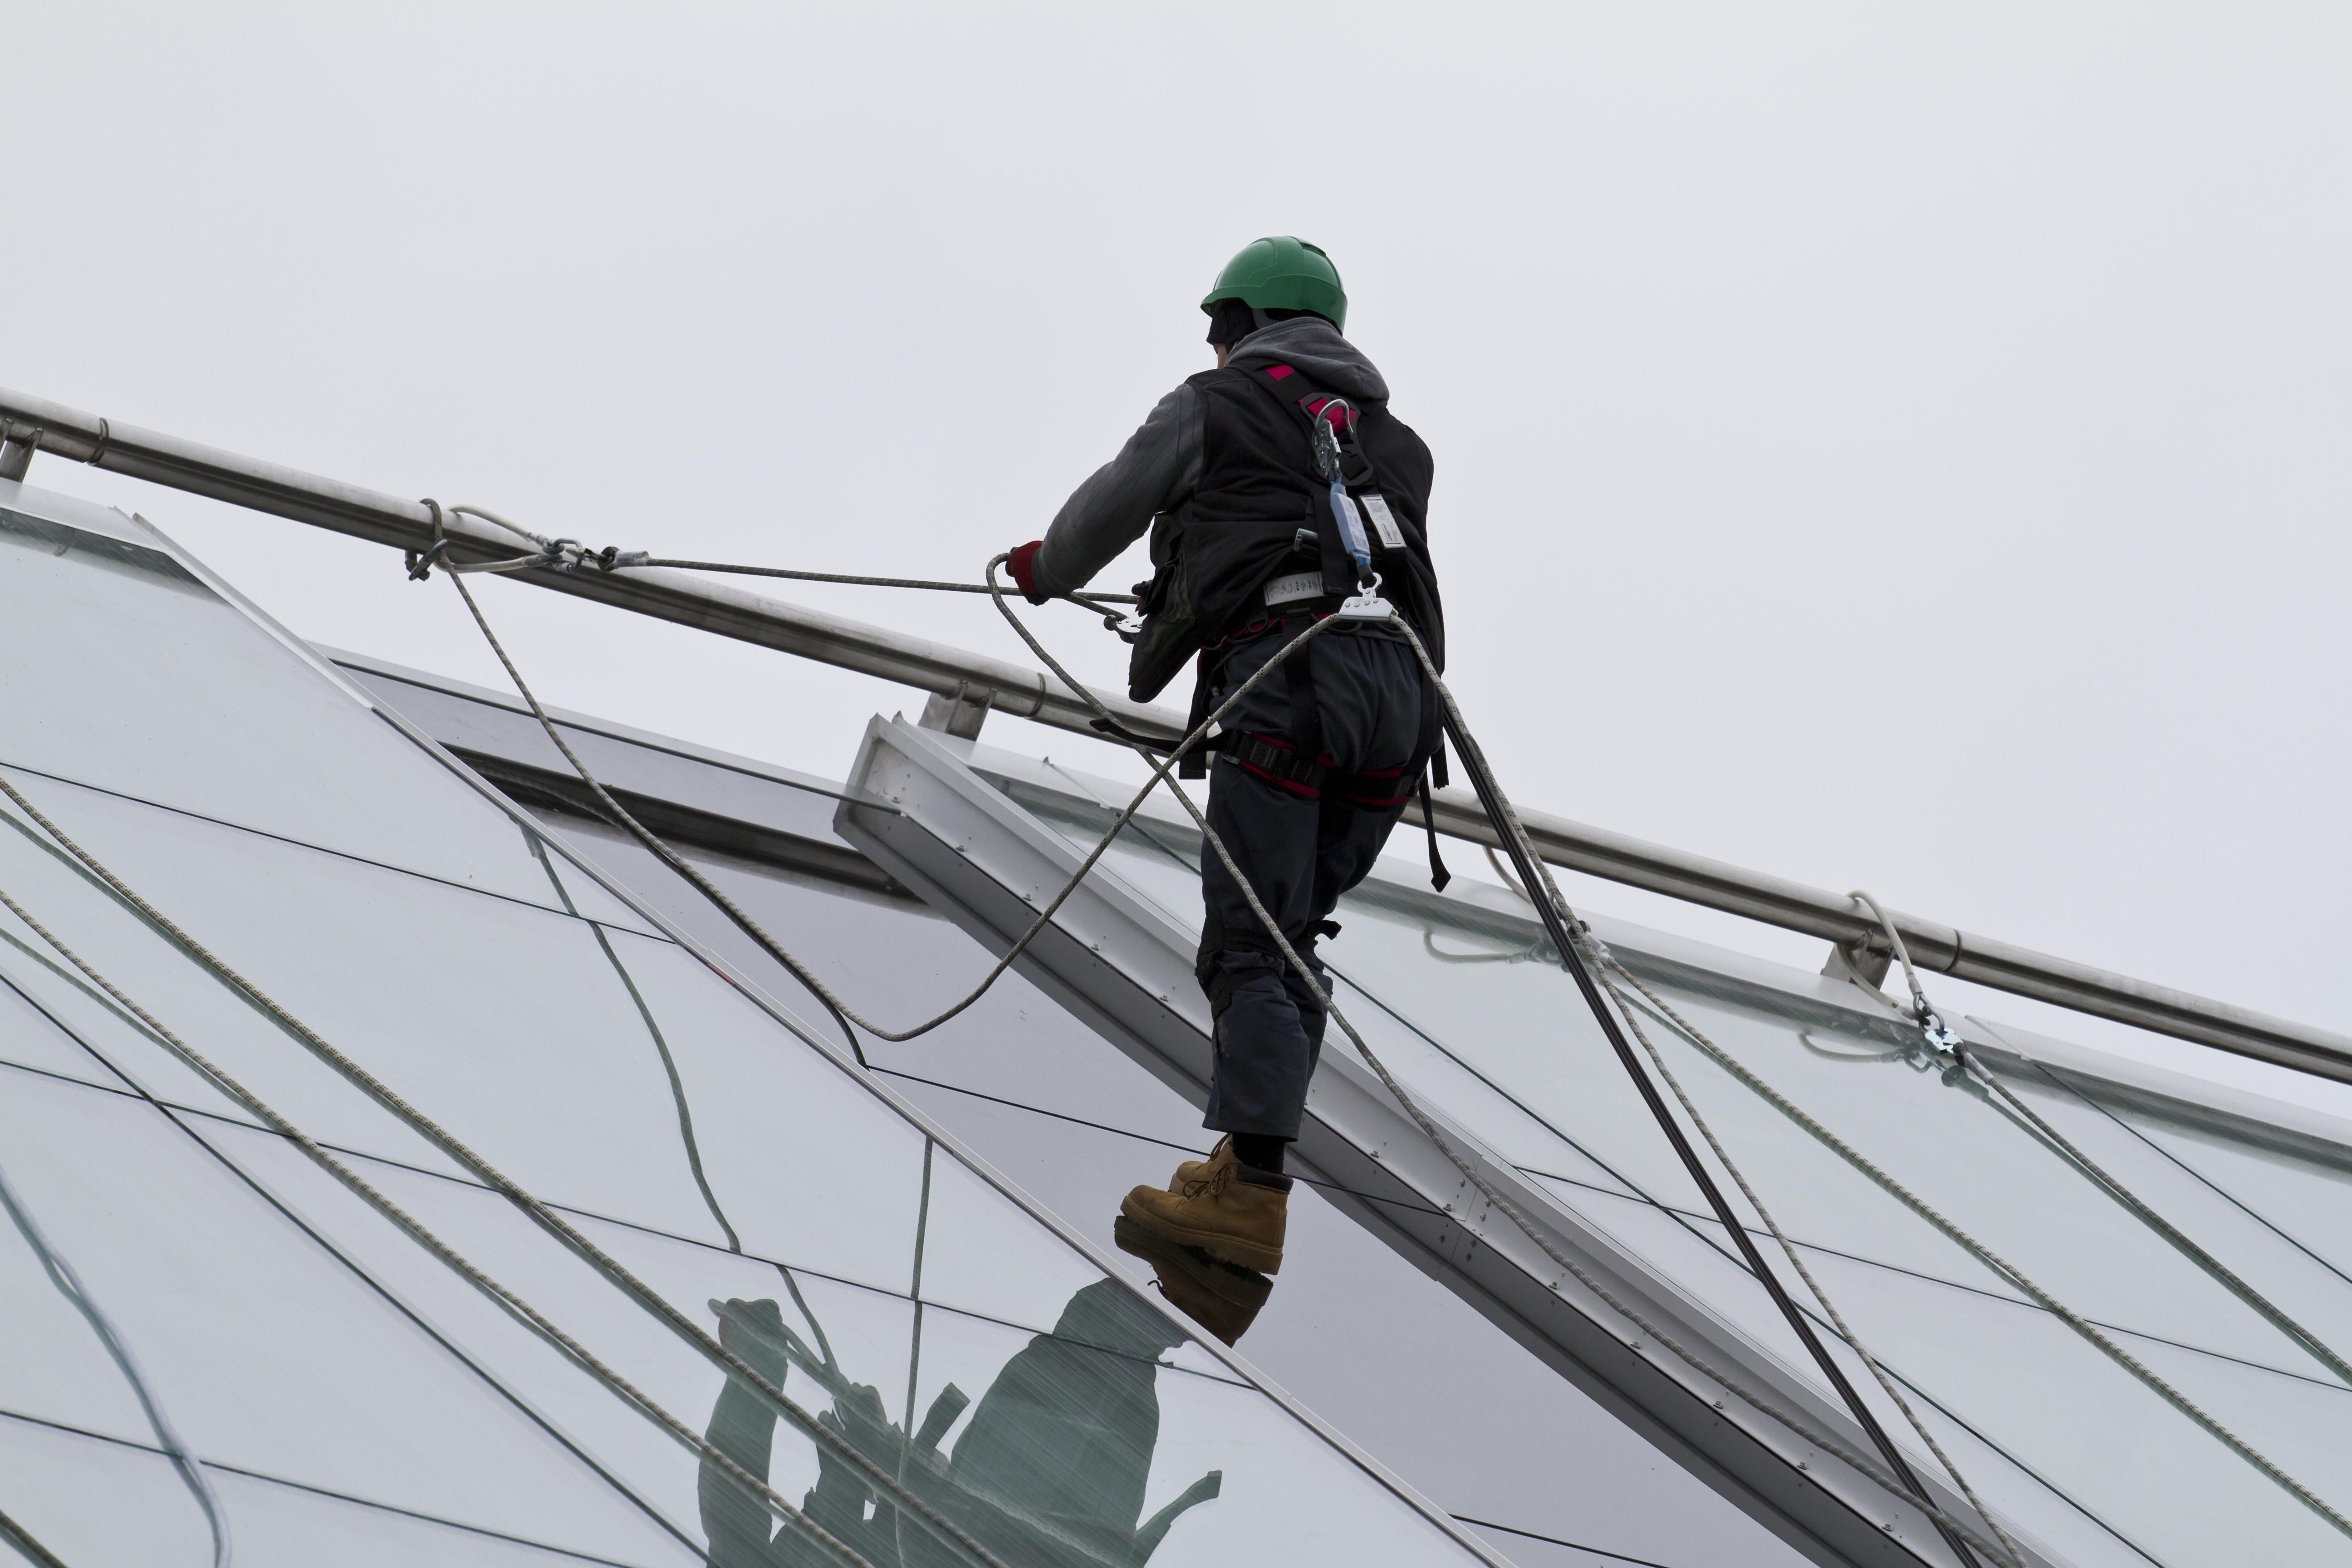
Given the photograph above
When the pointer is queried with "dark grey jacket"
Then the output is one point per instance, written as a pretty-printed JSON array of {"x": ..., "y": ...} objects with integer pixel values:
[{"x": 1160, "y": 464}]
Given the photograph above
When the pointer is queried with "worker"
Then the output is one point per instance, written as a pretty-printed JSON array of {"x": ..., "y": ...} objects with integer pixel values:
[{"x": 1233, "y": 474}]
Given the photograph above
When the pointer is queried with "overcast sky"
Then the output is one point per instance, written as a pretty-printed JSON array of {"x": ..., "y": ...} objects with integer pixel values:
[{"x": 1893, "y": 446}]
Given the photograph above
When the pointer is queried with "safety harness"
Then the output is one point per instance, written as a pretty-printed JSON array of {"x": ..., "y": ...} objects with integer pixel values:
[{"x": 1297, "y": 763}]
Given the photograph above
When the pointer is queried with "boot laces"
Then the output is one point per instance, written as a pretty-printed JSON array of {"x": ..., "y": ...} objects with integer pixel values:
[{"x": 1214, "y": 1184}]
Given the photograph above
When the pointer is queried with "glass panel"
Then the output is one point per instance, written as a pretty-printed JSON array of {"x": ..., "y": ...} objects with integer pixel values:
[
  {"x": 1463, "y": 999},
  {"x": 96, "y": 1504},
  {"x": 100, "y": 1504},
  {"x": 508, "y": 1018},
  {"x": 267, "y": 1354},
  {"x": 2296, "y": 1192},
  {"x": 1088, "y": 1422},
  {"x": 120, "y": 671},
  {"x": 296, "y": 1334}
]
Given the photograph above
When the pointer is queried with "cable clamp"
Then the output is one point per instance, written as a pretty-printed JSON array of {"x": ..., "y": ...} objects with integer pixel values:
[
  {"x": 422, "y": 562},
  {"x": 612, "y": 558}
]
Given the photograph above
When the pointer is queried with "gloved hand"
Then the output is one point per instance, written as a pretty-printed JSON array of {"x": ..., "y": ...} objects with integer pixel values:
[{"x": 1023, "y": 564}]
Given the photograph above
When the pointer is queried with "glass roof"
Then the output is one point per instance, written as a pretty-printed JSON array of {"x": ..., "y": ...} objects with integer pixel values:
[
  {"x": 1465, "y": 1000},
  {"x": 356, "y": 1400}
]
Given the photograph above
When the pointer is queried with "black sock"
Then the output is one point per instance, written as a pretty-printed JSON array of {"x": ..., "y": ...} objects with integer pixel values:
[{"x": 1259, "y": 1151}]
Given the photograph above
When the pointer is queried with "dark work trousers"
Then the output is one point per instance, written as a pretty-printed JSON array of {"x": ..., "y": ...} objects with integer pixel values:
[{"x": 1301, "y": 846}]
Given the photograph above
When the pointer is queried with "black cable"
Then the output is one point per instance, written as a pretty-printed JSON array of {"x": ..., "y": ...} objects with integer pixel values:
[
  {"x": 1475, "y": 763},
  {"x": 17, "y": 1535}
]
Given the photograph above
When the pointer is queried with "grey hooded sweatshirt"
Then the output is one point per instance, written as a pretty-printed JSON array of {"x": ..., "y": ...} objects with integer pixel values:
[{"x": 1160, "y": 464}]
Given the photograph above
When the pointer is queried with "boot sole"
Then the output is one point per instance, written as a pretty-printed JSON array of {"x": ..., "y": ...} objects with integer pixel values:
[{"x": 1217, "y": 1244}]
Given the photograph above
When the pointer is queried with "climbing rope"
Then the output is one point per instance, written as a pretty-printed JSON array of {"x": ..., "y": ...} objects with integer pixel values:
[
  {"x": 68, "y": 1284},
  {"x": 718, "y": 1355},
  {"x": 1608, "y": 962},
  {"x": 1508, "y": 823},
  {"x": 1906, "y": 1485},
  {"x": 1532, "y": 871}
]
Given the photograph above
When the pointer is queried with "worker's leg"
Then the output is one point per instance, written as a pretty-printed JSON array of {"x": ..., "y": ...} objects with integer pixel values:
[
  {"x": 1267, "y": 1028},
  {"x": 1300, "y": 846},
  {"x": 1371, "y": 689}
]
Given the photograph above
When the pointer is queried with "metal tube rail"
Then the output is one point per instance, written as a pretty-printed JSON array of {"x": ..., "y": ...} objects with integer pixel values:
[{"x": 30, "y": 424}]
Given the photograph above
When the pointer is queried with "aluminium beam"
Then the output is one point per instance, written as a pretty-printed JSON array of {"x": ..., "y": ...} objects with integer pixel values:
[{"x": 30, "y": 423}]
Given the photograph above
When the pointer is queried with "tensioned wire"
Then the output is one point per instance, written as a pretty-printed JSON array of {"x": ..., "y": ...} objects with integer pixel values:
[
  {"x": 1906, "y": 1488},
  {"x": 1923, "y": 1014},
  {"x": 1474, "y": 759},
  {"x": 843, "y": 1013},
  {"x": 726, "y": 1360},
  {"x": 1511, "y": 825},
  {"x": 938, "y": 1524},
  {"x": 514, "y": 1305}
]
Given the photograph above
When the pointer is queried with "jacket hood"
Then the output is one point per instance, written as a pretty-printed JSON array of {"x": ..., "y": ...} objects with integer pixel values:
[{"x": 1316, "y": 348}]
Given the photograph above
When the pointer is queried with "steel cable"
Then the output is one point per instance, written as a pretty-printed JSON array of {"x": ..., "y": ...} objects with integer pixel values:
[
  {"x": 685, "y": 1327},
  {"x": 507, "y": 1300},
  {"x": 2312, "y": 1344},
  {"x": 1161, "y": 771},
  {"x": 1998, "y": 1264},
  {"x": 1512, "y": 829},
  {"x": 1837, "y": 1319},
  {"x": 843, "y": 1013},
  {"x": 1510, "y": 826}
]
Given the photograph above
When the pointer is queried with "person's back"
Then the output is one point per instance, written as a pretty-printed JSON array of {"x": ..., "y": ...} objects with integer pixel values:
[{"x": 1270, "y": 486}]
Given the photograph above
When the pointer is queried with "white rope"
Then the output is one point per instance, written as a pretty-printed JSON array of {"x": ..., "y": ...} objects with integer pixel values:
[
  {"x": 1608, "y": 962},
  {"x": 68, "y": 1283},
  {"x": 843, "y": 1013},
  {"x": 1429, "y": 1129},
  {"x": 1161, "y": 771}
]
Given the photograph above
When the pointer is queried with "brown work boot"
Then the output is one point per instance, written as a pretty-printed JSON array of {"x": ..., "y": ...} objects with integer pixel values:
[
  {"x": 1200, "y": 1169},
  {"x": 1235, "y": 1213},
  {"x": 1222, "y": 1298}
]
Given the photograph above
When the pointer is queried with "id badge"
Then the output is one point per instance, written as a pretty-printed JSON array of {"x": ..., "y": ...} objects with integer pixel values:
[{"x": 1384, "y": 522}]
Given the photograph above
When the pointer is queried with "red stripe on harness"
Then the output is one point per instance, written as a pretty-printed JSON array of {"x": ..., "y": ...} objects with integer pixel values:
[{"x": 1304, "y": 792}]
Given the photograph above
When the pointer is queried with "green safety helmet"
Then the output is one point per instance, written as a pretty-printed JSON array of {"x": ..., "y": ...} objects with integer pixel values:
[{"x": 1282, "y": 272}]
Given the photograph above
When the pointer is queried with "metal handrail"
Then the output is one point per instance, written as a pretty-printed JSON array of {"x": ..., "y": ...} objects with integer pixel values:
[{"x": 32, "y": 424}]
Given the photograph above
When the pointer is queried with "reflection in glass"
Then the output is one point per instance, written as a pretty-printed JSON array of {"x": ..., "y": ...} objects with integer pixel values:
[
  {"x": 397, "y": 910},
  {"x": 1050, "y": 1471}
]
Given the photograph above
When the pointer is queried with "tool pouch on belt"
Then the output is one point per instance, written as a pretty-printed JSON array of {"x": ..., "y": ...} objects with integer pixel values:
[{"x": 1171, "y": 632}]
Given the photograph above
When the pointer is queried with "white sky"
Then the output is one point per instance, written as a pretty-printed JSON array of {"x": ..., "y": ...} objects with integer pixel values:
[{"x": 1889, "y": 445}]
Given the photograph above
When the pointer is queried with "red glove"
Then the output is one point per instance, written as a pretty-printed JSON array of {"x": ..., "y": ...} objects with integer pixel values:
[{"x": 1023, "y": 564}]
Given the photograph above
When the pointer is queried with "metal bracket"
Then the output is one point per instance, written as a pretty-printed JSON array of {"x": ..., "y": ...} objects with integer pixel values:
[
  {"x": 17, "y": 453},
  {"x": 1864, "y": 966},
  {"x": 960, "y": 715}
]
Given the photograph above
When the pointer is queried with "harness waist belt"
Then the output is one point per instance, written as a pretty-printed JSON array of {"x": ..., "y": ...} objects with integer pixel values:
[{"x": 1293, "y": 586}]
